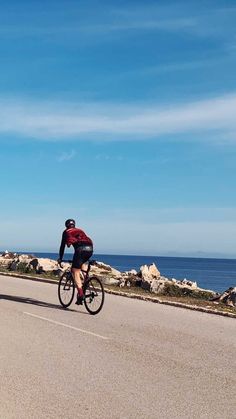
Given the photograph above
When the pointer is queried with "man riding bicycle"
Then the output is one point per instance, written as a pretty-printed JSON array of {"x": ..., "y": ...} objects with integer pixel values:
[{"x": 83, "y": 250}]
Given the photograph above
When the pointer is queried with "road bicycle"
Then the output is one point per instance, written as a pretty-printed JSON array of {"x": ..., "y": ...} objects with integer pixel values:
[{"x": 92, "y": 288}]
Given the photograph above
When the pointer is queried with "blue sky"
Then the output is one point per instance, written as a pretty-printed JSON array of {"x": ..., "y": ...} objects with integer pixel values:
[{"x": 121, "y": 115}]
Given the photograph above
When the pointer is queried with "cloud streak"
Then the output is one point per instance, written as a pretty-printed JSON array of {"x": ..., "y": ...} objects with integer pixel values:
[
  {"x": 74, "y": 22},
  {"x": 66, "y": 156},
  {"x": 70, "y": 121}
]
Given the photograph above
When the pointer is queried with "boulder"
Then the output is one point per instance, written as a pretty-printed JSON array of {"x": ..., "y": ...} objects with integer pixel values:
[
  {"x": 132, "y": 272},
  {"x": 8, "y": 255},
  {"x": 6, "y": 260},
  {"x": 106, "y": 280},
  {"x": 157, "y": 286},
  {"x": 47, "y": 265},
  {"x": 107, "y": 274},
  {"x": 232, "y": 297},
  {"x": 148, "y": 274},
  {"x": 13, "y": 265},
  {"x": 188, "y": 283},
  {"x": 228, "y": 297}
]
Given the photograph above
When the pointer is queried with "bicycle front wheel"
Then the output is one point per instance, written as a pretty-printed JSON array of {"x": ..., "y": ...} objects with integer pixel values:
[
  {"x": 93, "y": 295},
  {"x": 66, "y": 289}
]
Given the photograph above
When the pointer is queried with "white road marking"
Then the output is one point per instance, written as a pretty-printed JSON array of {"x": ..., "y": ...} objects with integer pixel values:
[{"x": 66, "y": 325}]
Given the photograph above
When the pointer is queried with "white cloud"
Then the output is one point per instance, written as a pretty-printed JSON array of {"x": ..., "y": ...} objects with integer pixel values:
[
  {"x": 66, "y": 156},
  {"x": 77, "y": 22},
  {"x": 52, "y": 121},
  {"x": 110, "y": 21},
  {"x": 172, "y": 67},
  {"x": 197, "y": 20},
  {"x": 149, "y": 24}
]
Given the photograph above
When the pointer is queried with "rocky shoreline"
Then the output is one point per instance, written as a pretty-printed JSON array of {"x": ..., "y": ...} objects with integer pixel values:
[{"x": 148, "y": 278}]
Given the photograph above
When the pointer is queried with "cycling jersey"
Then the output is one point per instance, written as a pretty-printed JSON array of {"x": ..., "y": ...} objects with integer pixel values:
[{"x": 75, "y": 237}]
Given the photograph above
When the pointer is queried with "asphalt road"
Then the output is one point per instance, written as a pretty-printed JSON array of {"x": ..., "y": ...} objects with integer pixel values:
[{"x": 135, "y": 359}]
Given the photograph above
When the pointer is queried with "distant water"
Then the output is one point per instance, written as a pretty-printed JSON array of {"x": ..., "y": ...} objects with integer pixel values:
[{"x": 213, "y": 274}]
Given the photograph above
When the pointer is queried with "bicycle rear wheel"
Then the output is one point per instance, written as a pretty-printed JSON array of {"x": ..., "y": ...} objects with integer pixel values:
[
  {"x": 93, "y": 295},
  {"x": 66, "y": 289}
]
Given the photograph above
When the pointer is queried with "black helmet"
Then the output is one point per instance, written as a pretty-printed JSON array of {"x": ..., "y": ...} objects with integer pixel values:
[{"x": 70, "y": 223}]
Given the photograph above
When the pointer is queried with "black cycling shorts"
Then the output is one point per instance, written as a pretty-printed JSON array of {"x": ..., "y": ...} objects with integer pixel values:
[{"x": 81, "y": 255}]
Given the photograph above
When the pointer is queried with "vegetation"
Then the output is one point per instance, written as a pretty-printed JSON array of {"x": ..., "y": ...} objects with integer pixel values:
[
  {"x": 171, "y": 294},
  {"x": 22, "y": 267},
  {"x": 173, "y": 290},
  {"x": 183, "y": 300}
]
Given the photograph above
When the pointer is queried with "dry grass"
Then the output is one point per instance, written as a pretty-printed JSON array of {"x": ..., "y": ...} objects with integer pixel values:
[{"x": 186, "y": 300}]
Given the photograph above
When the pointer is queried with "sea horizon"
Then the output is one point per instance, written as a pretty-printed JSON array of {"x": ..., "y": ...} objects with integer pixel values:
[{"x": 193, "y": 255}]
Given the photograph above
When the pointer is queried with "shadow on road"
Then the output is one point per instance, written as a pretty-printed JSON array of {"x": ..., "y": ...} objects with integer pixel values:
[{"x": 27, "y": 300}]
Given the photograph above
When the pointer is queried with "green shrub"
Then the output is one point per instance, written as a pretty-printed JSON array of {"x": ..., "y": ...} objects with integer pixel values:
[
  {"x": 22, "y": 267},
  {"x": 175, "y": 291}
]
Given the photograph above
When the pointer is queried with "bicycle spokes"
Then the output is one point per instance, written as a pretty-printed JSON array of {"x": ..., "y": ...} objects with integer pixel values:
[
  {"x": 94, "y": 295},
  {"x": 66, "y": 290}
]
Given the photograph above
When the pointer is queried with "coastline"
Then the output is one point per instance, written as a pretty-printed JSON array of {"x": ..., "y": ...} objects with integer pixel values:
[
  {"x": 216, "y": 274},
  {"x": 216, "y": 310},
  {"x": 209, "y": 273},
  {"x": 146, "y": 283}
]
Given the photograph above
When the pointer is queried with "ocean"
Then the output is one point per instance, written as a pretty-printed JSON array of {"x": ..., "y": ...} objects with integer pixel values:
[{"x": 212, "y": 274}]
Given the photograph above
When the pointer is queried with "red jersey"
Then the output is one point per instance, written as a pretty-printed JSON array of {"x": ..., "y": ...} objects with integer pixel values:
[
  {"x": 76, "y": 236},
  {"x": 73, "y": 236}
]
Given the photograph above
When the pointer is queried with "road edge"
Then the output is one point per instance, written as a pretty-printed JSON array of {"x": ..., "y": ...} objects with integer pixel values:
[{"x": 130, "y": 295}]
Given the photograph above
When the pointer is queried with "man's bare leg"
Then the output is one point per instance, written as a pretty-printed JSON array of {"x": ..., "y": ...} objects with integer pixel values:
[{"x": 77, "y": 277}]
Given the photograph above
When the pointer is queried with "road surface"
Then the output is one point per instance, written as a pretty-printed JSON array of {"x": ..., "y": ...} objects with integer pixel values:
[{"x": 135, "y": 359}]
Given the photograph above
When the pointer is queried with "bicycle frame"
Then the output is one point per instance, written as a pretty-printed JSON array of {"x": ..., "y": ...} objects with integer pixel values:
[
  {"x": 92, "y": 287},
  {"x": 84, "y": 272}
]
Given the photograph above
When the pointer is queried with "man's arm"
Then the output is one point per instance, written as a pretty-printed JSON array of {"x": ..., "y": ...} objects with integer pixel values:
[{"x": 62, "y": 247}]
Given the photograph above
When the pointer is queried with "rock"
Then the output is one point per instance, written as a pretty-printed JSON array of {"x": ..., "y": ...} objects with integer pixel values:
[
  {"x": 47, "y": 265},
  {"x": 148, "y": 273},
  {"x": 28, "y": 263},
  {"x": 107, "y": 274},
  {"x": 157, "y": 286},
  {"x": 34, "y": 264},
  {"x": 110, "y": 281},
  {"x": 188, "y": 283},
  {"x": 126, "y": 281},
  {"x": 8, "y": 255},
  {"x": 13, "y": 265},
  {"x": 228, "y": 297},
  {"x": 25, "y": 258},
  {"x": 5, "y": 261},
  {"x": 232, "y": 297},
  {"x": 132, "y": 272}
]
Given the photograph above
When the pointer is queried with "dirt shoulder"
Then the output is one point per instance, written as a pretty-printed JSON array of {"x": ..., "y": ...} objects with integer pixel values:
[{"x": 184, "y": 302}]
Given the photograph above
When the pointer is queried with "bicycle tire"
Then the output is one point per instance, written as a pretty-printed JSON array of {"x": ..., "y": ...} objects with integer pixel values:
[
  {"x": 66, "y": 289},
  {"x": 94, "y": 295}
]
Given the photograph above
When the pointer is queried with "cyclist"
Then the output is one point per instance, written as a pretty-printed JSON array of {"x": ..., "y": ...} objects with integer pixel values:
[{"x": 83, "y": 250}]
